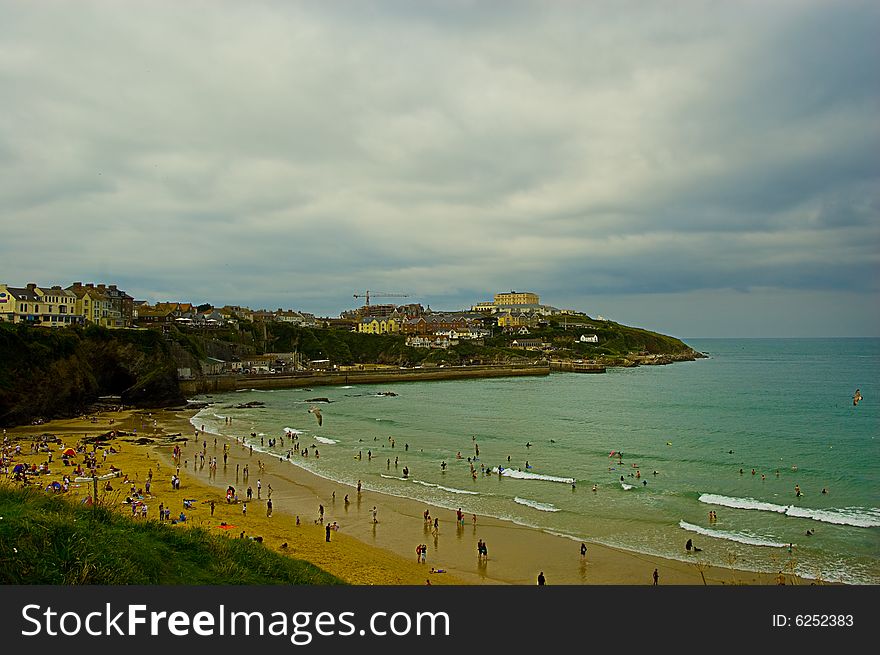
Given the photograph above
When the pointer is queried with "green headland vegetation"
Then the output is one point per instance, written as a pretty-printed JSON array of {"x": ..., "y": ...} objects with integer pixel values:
[{"x": 49, "y": 540}]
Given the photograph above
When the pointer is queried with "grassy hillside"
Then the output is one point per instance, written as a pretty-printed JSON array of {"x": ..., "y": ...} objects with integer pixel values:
[
  {"x": 344, "y": 347},
  {"x": 47, "y": 540}
]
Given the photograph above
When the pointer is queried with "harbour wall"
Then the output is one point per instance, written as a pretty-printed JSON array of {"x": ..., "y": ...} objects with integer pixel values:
[{"x": 221, "y": 383}]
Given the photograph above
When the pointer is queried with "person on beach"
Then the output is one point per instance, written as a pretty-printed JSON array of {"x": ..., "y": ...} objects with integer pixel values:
[
  {"x": 244, "y": 509},
  {"x": 346, "y": 500},
  {"x": 541, "y": 580},
  {"x": 359, "y": 482},
  {"x": 327, "y": 531},
  {"x": 375, "y": 520},
  {"x": 321, "y": 513},
  {"x": 656, "y": 577},
  {"x": 583, "y": 549},
  {"x": 268, "y": 508},
  {"x": 212, "y": 508}
]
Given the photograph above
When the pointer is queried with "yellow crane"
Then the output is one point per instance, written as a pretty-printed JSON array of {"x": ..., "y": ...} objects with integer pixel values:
[{"x": 379, "y": 295}]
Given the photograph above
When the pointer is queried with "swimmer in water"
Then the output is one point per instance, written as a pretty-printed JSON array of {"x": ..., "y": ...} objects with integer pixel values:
[{"x": 857, "y": 396}]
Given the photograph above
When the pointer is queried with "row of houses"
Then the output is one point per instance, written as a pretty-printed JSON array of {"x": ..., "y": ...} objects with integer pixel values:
[
  {"x": 433, "y": 323},
  {"x": 78, "y": 304},
  {"x": 111, "y": 307}
]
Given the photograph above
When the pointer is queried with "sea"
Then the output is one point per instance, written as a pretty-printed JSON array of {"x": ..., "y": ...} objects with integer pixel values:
[{"x": 635, "y": 458}]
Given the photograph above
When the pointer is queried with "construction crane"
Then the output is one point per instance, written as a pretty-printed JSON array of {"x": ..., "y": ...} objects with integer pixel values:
[{"x": 379, "y": 295}]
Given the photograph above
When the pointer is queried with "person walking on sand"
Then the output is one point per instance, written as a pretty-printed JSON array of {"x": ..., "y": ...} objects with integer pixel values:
[
  {"x": 583, "y": 549},
  {"x": 268, "y": 508},
  {"x": 541, "y": 580},
  {"x": 244, "y": 509},
  {"x": 375, "y": 520},
  {"x": 327, "y": 531},
  {"x": 656, "y": 577},
  {"x": 212, "y": 508}
]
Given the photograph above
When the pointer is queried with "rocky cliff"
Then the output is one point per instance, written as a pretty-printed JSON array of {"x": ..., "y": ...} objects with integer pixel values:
[{"x": 51, "y": 373}]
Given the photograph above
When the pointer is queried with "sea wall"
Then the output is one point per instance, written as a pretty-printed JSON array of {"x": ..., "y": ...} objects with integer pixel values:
[
  {"x": 219, "y": 383},
  {"x": 574, "y": 367}
]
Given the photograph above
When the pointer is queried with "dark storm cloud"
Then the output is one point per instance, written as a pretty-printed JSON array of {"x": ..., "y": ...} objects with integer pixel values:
[{"x": 290, "y": 154}]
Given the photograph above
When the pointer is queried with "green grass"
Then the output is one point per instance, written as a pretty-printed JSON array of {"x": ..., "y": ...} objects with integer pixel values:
[{"x": 48, "y": 540}]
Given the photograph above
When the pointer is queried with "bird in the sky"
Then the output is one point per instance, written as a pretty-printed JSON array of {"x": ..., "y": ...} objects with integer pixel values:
[{"x": 317, "y": 413}]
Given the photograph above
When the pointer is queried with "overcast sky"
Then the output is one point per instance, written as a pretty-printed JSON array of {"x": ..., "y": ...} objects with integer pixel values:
[{"x": 697, "y": 168}]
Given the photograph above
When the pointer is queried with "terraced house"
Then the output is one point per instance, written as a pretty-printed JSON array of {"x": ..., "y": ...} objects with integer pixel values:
[
  {"x": 50, "y": 307},
  {"x": 379, "y": 325},
  {"x": 95, "y": 307}
]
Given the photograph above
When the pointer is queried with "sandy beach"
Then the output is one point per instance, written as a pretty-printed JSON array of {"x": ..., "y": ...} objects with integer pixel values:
[{"x": 361, "y": 552}]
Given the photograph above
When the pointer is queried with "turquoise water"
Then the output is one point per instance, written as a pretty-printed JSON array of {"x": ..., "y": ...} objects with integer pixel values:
[{"x": 783, "y": 406}]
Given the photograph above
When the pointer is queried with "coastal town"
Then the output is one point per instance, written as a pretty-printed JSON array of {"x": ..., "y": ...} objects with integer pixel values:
[
  {"x": 105, "y": 305},
  {"x": 108, "y": 306}
]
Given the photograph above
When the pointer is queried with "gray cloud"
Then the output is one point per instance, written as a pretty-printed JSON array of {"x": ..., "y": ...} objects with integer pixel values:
[{"x": 288, "y": 154}]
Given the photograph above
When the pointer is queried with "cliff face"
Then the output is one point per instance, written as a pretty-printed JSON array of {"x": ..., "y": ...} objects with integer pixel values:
[{"x": 60, "y": 372}]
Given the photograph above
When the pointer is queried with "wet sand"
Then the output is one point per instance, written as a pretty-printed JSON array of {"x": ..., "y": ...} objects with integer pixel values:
[{"x": 362, "y": 552}]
